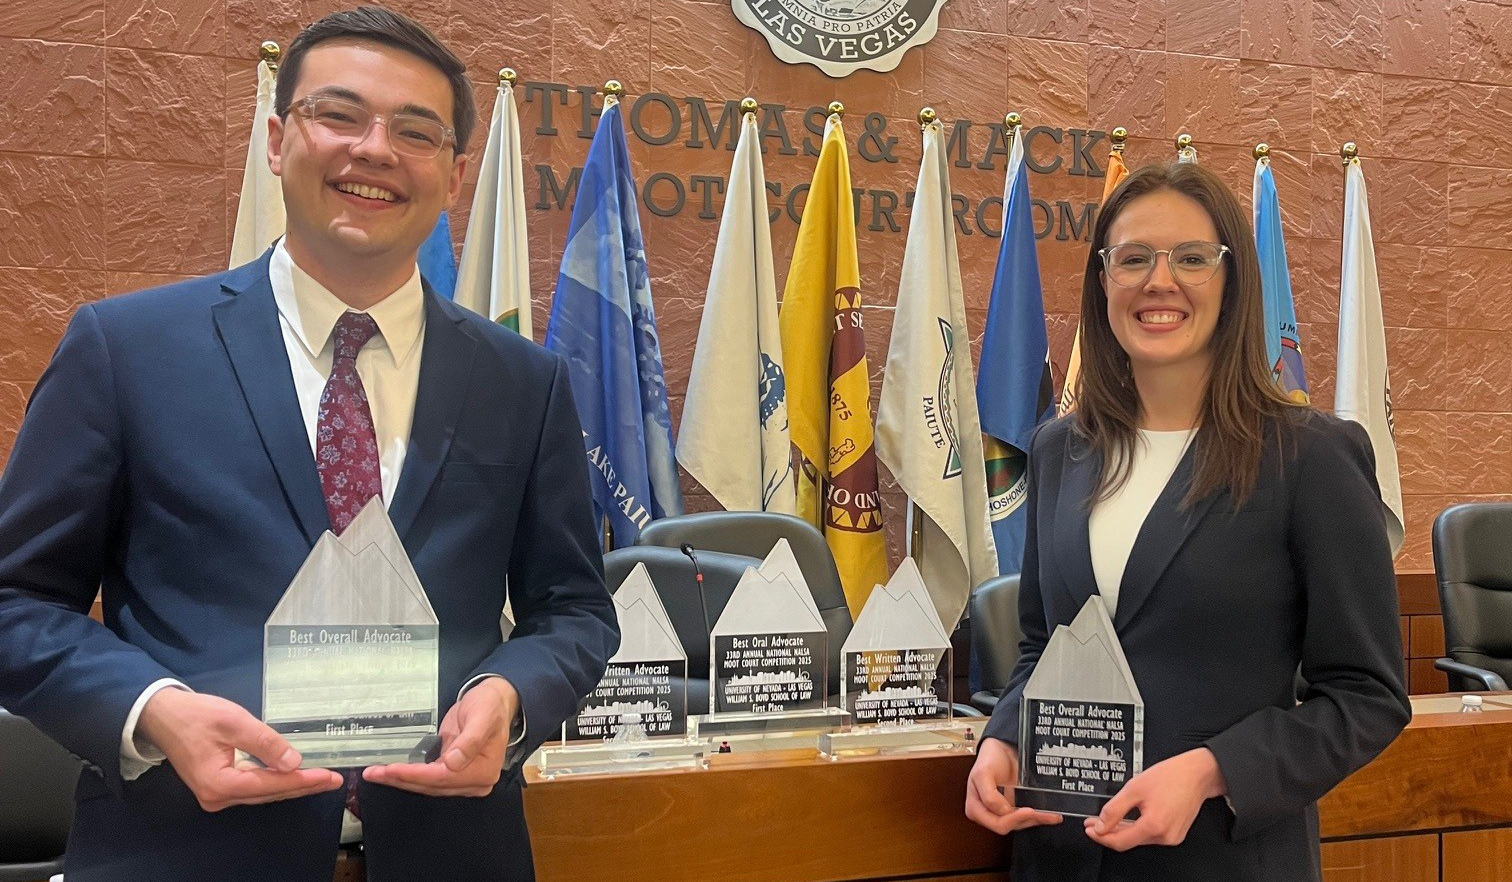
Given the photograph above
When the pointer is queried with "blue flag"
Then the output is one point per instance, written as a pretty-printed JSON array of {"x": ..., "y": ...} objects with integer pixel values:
[
  {"x": 1283, "y": 343},
  {"x": 1013, "y": 383},
  {"x": 603, "y": 323},
  {"x": 438, "y": 263}
]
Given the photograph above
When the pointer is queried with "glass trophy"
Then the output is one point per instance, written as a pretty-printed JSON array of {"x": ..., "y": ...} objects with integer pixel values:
[
  {"x": 637, "y": 716},
  {"x": 1081, "y": 730},
  {"x": 768, "y": 657},
  {"x": 889, "y": 666},
  {"x": 350, "y": 653}
]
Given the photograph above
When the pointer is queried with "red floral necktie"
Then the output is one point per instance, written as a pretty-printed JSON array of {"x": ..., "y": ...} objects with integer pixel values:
[{"x": 346, "y": 448}]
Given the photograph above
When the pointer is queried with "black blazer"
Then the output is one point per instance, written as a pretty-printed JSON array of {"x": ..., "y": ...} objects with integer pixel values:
[{"x": 1217, "y": 610}]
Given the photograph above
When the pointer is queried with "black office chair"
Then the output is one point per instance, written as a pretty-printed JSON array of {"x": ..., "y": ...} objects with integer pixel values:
[
  {"x": 1472, "y": 558},
  {"x": 37, "y": 779},
  {"x": 672, "y": 573},
  {"x": 995, "y": 635},
  {"x": 754, "y": 533}
]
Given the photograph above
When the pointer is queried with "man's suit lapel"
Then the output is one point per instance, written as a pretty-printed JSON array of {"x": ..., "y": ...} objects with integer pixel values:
[
  {"x": 1073, "y": 545},
  {"x": 1165, "y": 530},
  {"x": 248, "y": 326},
  {"x": 445, "y": 369}
]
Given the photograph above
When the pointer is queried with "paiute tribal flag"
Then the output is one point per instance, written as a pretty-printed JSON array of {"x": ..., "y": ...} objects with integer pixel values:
[
  {"x": 829, "y": 389},
  {"x": 928, "y": 431}
]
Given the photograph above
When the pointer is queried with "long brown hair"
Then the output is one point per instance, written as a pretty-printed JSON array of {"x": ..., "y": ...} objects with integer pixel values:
[{"x": 1240, "y": 399}]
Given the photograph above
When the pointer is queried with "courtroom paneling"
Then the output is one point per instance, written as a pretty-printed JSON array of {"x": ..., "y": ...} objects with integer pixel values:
[
  {"x": 1392, "y": 859},
  {"x": 814, "y": 819},
  {"x": 1424, "y": 679},
  {"x": 1478, "y": 855},
  {"x": 1445, "y": 770},
  {"x": 1427, "y": 637}
]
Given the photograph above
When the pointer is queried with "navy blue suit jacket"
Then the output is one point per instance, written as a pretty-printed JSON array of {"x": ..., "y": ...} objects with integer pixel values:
[
  {"x": 1218, "y": 608},
  {"x": 163, "y": 460}
]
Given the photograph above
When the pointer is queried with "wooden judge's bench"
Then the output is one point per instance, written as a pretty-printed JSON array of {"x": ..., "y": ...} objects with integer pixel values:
[{"x": 1435, "y": 807}]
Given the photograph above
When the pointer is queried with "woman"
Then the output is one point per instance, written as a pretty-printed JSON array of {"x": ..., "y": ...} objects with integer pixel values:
[{"x": 1237, "y": 540}]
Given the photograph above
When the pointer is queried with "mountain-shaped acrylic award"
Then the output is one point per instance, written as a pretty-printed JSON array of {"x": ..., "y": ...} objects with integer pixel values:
[
  {"x": 637, "y": 716},
  {"x": 890, "y": 664},
  {"x": 768, "y": 656},
  {"x": 350, "y": 654},
  {"x": 1081, "y": 730}
]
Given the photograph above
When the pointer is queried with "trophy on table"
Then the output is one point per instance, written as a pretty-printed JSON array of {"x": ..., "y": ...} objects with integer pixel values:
[
  {"x": 1081, "y": 725},
  {"x": 350, "y": 653},
  {"x": 890, "y": 666},
  {"x": 768, "y": 657},
  {"x": 637, "y": 717}
]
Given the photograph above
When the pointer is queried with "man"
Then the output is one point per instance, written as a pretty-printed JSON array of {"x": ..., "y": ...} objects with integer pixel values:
[{"x": 167, "y": 459}]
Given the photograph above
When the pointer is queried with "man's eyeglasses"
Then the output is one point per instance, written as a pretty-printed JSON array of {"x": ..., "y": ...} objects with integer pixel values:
[
  {"x": 1192, "y": 263},
  {"x": 408, "y": 133}
]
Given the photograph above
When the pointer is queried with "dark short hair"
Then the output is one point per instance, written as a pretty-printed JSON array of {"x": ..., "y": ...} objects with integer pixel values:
[{"x": 389, "y": 28}]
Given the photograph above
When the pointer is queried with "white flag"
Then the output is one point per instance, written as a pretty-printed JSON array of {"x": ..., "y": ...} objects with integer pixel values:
[
  {"x": 928, "y": 431},
  {"x": 1362, "y": 390},
  {"x": 260, "y": 212},
  {"x": 734, "y": 436},
  {"x": 493, "y": 278}
]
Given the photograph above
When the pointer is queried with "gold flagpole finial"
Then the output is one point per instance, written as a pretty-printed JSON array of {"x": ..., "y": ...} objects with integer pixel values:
[
  {"x": 1119, "y": 136},
  {"x": 927, "y": 116},
  {"x": 1012, "y": 120},
  {"x": 1349, "y": 152},
  {"x": 270, "y": 53},
  {"x": 836, "y": 108},
  {"x": 749, "y": 104},
  {"x": 1183, "y": 141},
  {"x": 613, "y": 89},
  {"x": 507, "y": 76},
  {"x": 1262, "y": 150}
]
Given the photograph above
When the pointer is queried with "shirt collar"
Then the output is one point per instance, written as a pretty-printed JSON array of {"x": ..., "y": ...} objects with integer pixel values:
[{"x": 312, "y": 310}]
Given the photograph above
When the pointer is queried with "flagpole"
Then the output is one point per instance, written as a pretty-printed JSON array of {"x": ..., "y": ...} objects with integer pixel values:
[{"x": 270, "y": 53}]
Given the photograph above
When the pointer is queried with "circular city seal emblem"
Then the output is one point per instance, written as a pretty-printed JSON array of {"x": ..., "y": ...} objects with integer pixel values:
[{"x": 842, "y": 36}]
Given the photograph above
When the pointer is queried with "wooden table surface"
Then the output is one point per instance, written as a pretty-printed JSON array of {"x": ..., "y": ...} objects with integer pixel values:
[{"x": 797, "y": 817}]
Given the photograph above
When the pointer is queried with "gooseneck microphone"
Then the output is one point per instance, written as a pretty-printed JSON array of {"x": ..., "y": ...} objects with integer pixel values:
[{"x": 703, "y": 602}]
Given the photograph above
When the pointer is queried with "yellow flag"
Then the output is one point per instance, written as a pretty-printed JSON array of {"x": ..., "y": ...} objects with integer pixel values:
[
  {"x": 828, "y": 384},
  {"x": 1117, "y": 171}
]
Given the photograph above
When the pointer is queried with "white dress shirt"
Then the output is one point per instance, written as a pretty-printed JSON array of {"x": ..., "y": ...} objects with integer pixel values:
[{"x": 1115, "y": 522}]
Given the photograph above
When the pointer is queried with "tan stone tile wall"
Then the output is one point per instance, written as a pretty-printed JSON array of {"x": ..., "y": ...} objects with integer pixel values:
[{"x": 121, "y": 152}]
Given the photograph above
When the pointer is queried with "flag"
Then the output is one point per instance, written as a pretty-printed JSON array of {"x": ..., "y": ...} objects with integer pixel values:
[
  {"x": 1283, "y": 344},
  {"x": 1362, "y": 390},
  {"x": 603, "y": 324},
  {"x": 494, "y": 277},
  {"x": 1013, "y": 389},
  {"x": 438, "y": 263},
  {"x": 829, "y": 392},
  {"x": 1117, "y": 171},
  {"x": 734, "y": 434},
  {"x": 260, "y": 210},
  {"x": 928, "y": 432}
]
